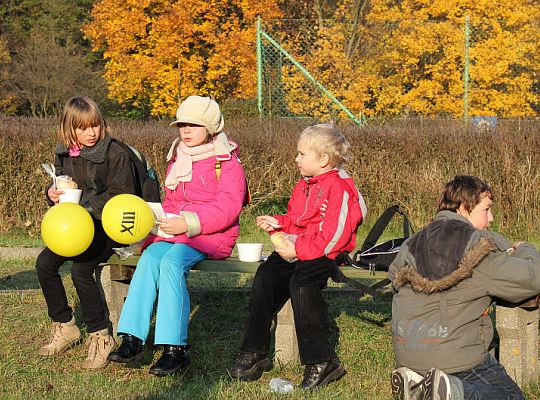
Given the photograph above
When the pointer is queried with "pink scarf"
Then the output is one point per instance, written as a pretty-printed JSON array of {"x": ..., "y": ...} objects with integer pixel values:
[
  {"x": 220, "y": 148},
  {"x": 74, "y": 150}
]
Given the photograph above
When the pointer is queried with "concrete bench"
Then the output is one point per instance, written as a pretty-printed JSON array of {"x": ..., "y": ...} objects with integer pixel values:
[
  {"x": 115, "y": 276},
  {"x": 518, "y": 340},
  {"x": 517, "y": 325}
]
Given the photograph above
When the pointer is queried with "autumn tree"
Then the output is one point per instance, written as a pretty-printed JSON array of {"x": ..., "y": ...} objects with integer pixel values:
[
  {"x": 390, "y": 57},
  {"x": 44, "y": 58},
  {"x": 45, "y": 74},
  {"x": 158, "y": 51},
  {"x": 421, "y": 67}
]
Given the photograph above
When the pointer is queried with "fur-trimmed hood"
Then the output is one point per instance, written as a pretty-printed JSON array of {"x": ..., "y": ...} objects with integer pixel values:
[{"x": 445, "y": 253}]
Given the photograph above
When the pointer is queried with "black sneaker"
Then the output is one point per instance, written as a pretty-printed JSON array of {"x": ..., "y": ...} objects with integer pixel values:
[
  {"x": 402, "y": 380},
  {"x": 131, "y": 349},
  {"x": 434, "y": 386},
  {"x": 250, "y": 366},
  {"x": 173, "y": 359},
  {"x": 318, "y": 375}
]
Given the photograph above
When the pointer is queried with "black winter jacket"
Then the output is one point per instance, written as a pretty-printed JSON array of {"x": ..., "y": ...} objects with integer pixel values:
[{"x": 101, "y": 171}]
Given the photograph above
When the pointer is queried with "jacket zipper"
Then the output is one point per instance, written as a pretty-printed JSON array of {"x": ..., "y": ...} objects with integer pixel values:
[{"x": 306, "y": 205}]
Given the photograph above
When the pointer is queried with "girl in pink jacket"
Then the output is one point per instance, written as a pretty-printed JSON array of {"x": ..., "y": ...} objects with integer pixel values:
[{"x": 205, "y": 190}]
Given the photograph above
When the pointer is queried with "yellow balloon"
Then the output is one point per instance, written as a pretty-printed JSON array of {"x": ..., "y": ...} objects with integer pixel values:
[
  {"x": 127, "y": 218},
  {"x": 67, "y": 229}
]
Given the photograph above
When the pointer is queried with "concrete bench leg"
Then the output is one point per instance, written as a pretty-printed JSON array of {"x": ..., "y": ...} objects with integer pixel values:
[
  {"x": 113, "y": 293},
  {"x": 286, "y": 345},
  {"x": 518, "y": 350}
]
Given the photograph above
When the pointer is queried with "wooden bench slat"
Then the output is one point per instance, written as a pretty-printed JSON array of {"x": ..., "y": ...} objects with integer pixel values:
[{"x": 231, "y": 264}]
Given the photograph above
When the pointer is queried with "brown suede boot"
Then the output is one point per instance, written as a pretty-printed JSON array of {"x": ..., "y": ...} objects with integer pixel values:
[
  {"x": 63, "y": 335},
  {"x": 100, "y": 345}
]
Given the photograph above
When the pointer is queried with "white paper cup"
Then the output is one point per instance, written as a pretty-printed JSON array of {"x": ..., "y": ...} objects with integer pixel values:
[
  {"x": 71, "y": 196},
  {"x": 250, "y": 252}
]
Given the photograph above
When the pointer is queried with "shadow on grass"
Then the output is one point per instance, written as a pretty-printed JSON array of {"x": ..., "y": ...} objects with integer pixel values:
[
  {"x": 27, "y": 279},
  {"x": 217, "y": 328}
]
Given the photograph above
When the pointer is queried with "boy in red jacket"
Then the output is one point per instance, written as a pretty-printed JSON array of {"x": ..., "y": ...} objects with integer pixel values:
[{"x": 322, "y": 218}]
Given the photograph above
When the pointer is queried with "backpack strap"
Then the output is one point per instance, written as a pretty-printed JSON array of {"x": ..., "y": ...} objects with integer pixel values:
[
  {"x": 217, "y": 168},
  {"x": 339, "y": 277},
  {"x": 381, "y": 224}
]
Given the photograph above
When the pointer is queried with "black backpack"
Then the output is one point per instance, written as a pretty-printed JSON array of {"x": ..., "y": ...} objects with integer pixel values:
[
  {"x": 147, "y": 184},
  {"x": 378, "y": 256},
  {"x": 374, "y": 256}
]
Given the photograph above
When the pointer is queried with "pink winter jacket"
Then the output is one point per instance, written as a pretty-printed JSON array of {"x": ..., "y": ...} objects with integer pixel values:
[{"x": 210, "y": 206}]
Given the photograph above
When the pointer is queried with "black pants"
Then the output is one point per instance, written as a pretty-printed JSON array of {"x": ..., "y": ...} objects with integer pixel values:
[
  {"x": 82, "y": 274},
  {"x": 275, "y": 282}
]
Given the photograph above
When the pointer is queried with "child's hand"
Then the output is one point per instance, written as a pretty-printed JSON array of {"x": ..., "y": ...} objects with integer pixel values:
[
  {"x": 283, "y": 246},
  {"x": 173, "y": 226},
  {"x": 286, "y": 250},
  {"x": 267, "y": 223},
  {"x": 54, "y": 194}
]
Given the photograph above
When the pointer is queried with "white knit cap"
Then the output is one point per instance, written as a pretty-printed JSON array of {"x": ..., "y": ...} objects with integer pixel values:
[{"x": 200, "y": 111}]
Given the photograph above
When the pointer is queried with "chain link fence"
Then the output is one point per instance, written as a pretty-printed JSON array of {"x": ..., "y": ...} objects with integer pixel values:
[{"x": 337, "y": 70}]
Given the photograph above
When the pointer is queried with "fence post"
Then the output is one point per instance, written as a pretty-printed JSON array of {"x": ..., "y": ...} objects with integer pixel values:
[
  {"x": 358, "y": 121},
  {"x": 466, "y": 72},
  {"x": 259, "y": 67}
]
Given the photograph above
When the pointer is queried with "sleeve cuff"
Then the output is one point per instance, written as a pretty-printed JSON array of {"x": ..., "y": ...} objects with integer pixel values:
[{"x": 193, "y": 223}]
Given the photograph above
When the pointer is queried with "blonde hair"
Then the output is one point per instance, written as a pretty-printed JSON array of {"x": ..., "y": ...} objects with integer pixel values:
[
  {"x": 79, "y": 112},
  {"x": 326, "y": 139}
]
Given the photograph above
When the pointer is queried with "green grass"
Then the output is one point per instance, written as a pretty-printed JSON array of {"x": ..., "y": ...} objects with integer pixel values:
[
  {"x": 19, "y": 238},
  {"x": 360, "y": 329}
]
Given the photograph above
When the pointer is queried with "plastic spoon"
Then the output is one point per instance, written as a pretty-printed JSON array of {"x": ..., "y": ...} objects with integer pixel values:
[
  {"x": 275, "y": 226},
  {"x": 51, "y": 170}
]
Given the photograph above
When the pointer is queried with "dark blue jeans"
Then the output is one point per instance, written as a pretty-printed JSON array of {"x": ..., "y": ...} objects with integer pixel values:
[{"x": 488, "y": 380}]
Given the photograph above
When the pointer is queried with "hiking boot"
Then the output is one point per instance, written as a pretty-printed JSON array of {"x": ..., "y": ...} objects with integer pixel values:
[
  {"x": 250, "y": 366},
  {"x": 100, "y": 345},
  {"x": 63, "y": 335},
  {"x": 318, "y": 375},
  {"x": 131, "y": 349},
  {"x": 402, "y": 380},
  {"x": 434, "y": 386},
  {"x": 173, "y": 359}
]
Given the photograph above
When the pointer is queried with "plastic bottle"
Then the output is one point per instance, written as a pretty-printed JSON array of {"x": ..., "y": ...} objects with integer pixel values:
[{"x": 280, "y": 385}]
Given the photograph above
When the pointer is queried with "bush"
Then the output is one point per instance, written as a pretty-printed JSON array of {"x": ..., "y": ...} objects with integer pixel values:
[{"x": 398, "y": 161}]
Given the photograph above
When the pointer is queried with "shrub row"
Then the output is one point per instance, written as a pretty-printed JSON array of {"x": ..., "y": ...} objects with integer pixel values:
[{"x": 398, "y": 161}]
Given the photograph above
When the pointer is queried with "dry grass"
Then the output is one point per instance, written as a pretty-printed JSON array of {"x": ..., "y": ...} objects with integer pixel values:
[{"x": 398, "y": 161}]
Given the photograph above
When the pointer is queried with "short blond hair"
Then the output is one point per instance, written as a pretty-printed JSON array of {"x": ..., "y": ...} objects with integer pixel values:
[
  {"x": 326, "y": 139},
  {"x": 79, "y": 112}
]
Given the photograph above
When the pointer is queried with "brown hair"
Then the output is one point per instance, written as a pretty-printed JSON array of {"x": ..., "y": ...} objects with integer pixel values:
[
  {"x": 327, "y": 139},
  {"x": 79, "y": 112},
  {"x": 463, "y": 189}
]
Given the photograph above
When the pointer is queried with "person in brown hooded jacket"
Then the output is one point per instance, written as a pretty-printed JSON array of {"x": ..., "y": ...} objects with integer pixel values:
[{"x": 446, "y": 277}]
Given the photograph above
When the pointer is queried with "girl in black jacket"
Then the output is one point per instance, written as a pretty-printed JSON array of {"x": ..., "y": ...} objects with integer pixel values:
[{"x": 102, "y": 169}]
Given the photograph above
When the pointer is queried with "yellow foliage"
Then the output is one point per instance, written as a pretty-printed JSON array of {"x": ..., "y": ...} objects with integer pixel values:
[
  {"x": 159, "y": 51},
  {"x": 391, "y": 58},
  {"x": 411, "y": 58},
  {"x": 423, "y": 58}
]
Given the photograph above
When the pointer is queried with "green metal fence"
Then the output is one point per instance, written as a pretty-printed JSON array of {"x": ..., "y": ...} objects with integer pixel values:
[{"x": 337, "y": 70}]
